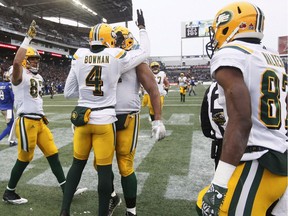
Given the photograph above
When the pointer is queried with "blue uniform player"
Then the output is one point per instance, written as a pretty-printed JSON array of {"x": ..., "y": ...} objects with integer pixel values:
[{"x": 6, "y": 105}]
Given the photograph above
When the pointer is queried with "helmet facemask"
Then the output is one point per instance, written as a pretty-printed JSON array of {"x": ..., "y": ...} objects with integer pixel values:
[
  {"x": 31, "y": 56},
  {"x": 212, "y": 44},
  {"x": 35, "y": 69},
  {"x": 124, "y": 39}
]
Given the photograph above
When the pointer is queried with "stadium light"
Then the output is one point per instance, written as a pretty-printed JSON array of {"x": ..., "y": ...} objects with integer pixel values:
[{"x": 83, "y": 6}]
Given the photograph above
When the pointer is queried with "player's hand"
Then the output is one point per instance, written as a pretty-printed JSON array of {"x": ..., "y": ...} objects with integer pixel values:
[
  {"x": 140, "y": 19},
  {"x": 158, "y": 130},
  {"x": 32, "y": 30},
  {"x": 212, "y": 200}
]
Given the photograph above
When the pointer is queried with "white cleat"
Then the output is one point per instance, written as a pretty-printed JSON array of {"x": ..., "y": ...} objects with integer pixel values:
[
  {"x": 80, "y": 191},
  {"x": 13, "y": 198}
]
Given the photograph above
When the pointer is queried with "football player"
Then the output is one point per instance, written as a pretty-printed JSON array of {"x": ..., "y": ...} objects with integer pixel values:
[
  {"x": 162, "y": 83},
  {"x": 93, "y": 79},
  {"x": 6, "y": 106},
  {"x": 182, "y": 82},
  {"x": 127, "y": 126},
  {"x": 31, "y": 124},
  {"x": 251, "y": 175},
  {"x": 213, "y": 121}
]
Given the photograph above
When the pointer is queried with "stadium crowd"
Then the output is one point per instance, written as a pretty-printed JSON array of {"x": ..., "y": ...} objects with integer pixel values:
[{"x": 54, "y": 74}]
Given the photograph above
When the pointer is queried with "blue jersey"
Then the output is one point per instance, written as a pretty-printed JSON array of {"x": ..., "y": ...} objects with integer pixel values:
[{"x": 6, "y": 96}]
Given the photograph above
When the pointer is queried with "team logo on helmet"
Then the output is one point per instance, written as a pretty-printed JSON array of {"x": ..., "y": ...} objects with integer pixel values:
[{"x": 223, "y": 18}]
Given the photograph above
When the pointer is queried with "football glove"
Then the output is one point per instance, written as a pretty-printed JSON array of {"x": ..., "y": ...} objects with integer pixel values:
[
  {"x": 140, "y": 18},
  {"x": 158, "y": 130},
  {"x": 31, "y": 33},
  {"x": 212, "y": 200}
]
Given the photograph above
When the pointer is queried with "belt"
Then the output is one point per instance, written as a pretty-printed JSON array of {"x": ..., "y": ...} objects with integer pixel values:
[
  {"x": 29, "y": 116},
  {"x": 250, "y": 149},
  {"x": 101, "y": 108}
]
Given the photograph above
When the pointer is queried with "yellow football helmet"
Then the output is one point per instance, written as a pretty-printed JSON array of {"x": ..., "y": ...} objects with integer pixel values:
[
  {"x": 125, "y": 39},
  {"x": 181, "y": 74},
  {"x": 102, "y": 34},
  {"x": 236, "y": 20},
  {"x": 31, "y": 53},
  {"x": 155, "y": 66}
]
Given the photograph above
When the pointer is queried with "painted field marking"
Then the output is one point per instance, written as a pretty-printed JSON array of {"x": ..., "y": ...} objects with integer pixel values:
[{"x": 201, "y": 170}]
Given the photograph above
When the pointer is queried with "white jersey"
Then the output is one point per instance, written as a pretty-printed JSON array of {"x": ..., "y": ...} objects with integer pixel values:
[
  {"x": 266, "y": 79},
  {"x": 182, "y": 81},
  {"x": 159, "y": 77},
  {"x": 128, "y": 99},
  {"x": 93, "y": 77},
  {"x": 28, "y": 94}
]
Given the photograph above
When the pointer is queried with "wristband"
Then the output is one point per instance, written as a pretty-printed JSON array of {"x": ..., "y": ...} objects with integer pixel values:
[
  {"x": 223, "y": 174},
  {"x": 26, "y": 42}
]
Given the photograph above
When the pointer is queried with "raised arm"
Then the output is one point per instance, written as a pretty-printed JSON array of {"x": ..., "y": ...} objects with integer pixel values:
[{"x": 20, "y": 55}]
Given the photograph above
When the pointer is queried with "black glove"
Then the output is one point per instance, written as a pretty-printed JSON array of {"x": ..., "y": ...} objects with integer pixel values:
[
  {"x": 212, "y": 200},
  {"x": 140, "y": 18}
]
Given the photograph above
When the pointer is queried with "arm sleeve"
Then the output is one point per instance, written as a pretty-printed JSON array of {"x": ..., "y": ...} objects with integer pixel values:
[{"x": 71, "y": 89}]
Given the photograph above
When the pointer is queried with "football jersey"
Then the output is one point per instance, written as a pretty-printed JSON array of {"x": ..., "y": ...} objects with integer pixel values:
[
  {"x": 159, "y": 77},
  {"x": 213, "y": 109},
  {"x": 6, "y": 96},
  {"x": 28, "y": 94},
  {"x": 266, "y": 79},
  {"x": 128, "y": 93},
  {"x": 93, "y": 77},
  {"x": 182, "y": 81}
]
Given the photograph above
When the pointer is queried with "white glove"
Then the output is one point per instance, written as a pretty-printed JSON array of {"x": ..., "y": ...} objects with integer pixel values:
[{"x": 158, "y": 130}]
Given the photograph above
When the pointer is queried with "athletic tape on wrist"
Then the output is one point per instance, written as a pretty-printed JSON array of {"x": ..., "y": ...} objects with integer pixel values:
[
  {"x": 223, "y": 174},
  {"x": 26, "y": 42}
]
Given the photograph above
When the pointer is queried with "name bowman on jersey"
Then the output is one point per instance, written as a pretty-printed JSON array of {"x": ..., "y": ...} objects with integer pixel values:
[{"x": 108, "y": 65}]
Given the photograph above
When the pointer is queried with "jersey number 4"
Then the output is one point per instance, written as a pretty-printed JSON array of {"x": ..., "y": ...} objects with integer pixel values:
[{"x": 94, "y": 79}]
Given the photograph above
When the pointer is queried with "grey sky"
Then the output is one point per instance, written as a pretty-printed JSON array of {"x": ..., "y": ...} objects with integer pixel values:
[{"x": 163, "y": 22}]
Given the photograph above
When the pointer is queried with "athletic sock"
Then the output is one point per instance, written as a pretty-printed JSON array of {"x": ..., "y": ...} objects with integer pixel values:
[
  {"x": 16, "y": 173},
  {"x": 72, "y": 181},
  {"x": 129, "y": 185},
  {"x": 104, "y": 188},
  {"x": 57, "y": 169}
]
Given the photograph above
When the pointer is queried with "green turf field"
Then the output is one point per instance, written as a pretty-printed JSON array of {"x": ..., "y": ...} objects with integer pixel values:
[{"x": 170, "y": 172}]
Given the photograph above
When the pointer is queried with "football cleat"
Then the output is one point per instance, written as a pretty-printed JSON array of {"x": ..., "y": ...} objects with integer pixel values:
[
  {"x": 113, "y": 203},
  {"x": 130, "y": 214},
  {"x": 13, "y": 143},
  {"x": 13, "y": 198},
  {"x": 80, "y": 191}
]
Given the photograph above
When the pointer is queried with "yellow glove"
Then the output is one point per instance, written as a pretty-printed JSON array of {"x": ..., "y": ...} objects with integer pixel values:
[{"x": 32, "y": 30}]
